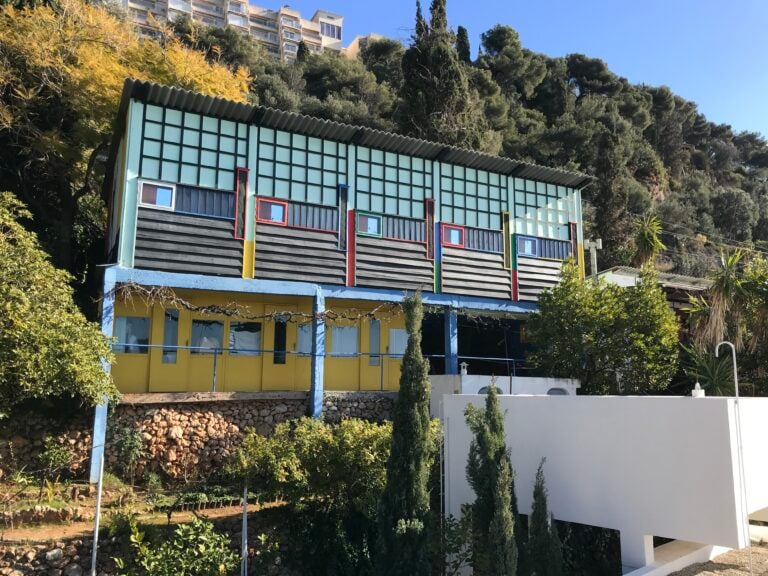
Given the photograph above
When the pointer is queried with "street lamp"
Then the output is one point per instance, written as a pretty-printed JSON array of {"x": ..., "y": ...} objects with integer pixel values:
[{"x": 739, "y": 447}]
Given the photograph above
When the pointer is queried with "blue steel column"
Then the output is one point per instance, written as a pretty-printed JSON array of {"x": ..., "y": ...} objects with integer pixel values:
[
  {"x": 99, "y": 436},
  {"x": 451, "y": 341},
  {"x": 318, "y": 356}
]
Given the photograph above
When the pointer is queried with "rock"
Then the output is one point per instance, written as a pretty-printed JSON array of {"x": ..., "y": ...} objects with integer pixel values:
[
  {"x": 73, "y": 570},
  {"x": 54, "y": 555}
]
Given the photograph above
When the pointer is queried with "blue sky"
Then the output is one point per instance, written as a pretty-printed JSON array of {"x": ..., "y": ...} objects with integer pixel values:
[{"x": 714, "y": 52}]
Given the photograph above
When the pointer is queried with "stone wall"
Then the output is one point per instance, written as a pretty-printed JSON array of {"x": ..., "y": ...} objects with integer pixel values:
[{"x": 185, "y": 435}]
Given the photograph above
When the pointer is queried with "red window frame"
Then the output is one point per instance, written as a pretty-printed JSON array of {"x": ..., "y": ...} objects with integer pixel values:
[
  {"x": 284, "y": 203},
  {"x": 444, "y": 236}
]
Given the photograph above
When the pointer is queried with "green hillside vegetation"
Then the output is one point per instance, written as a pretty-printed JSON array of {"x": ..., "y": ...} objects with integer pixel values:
[{"x": 648, "y": 149}]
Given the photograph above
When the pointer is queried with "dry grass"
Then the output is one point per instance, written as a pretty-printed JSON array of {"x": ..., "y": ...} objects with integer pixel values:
[{"x": 734, "y": 563}]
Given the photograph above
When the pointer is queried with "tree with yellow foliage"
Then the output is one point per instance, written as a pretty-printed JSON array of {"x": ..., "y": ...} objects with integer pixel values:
[{"x": 62, "y": 69}]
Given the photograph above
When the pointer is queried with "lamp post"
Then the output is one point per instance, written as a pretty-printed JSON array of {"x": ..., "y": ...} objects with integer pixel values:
[{"x": 739, "y": 447}]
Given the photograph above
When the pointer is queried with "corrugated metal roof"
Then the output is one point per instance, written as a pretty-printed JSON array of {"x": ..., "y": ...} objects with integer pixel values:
[
  {"x": 666, "y": 279},
  {"x": 181, "y": 99}
]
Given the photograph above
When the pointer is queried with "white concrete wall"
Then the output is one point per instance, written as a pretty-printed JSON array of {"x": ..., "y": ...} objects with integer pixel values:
[
  {"x": 473, "y": 383},
  {"x": 642, "y": 465}
]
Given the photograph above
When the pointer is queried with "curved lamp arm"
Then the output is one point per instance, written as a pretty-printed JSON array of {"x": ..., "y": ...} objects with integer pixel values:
[{"x": 733, "y": 354}]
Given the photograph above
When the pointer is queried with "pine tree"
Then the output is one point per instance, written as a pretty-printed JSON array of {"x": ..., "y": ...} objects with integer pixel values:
[
  {"x": 489, "y": 471},
  {"x": 462, "y": 45},
  {"x": 404, "y": 507},
  {"x": 545, "y": 556}
]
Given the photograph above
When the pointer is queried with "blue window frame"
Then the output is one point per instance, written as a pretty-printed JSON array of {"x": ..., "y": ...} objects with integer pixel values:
[{"x": 528, "y": 246}]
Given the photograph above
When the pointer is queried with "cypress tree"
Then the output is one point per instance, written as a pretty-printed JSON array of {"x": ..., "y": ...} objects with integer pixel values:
[
  {"x": 545, "y": 555},
  {"x": 437, "y": 103},
  {"x": 489, "y": 471},
  {"x": 302, "y": 55},
  {"x": 462, "y": 45},
  {"x": 404, "y": 507}
]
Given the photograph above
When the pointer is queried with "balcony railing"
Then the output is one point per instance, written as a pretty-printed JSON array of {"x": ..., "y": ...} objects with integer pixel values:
[{"x": 512, "y": 366}]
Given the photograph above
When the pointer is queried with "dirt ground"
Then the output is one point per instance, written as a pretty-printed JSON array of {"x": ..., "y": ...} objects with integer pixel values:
[
  {"x": 47, "y": 533},
  {"x": 734, "y": 563}
]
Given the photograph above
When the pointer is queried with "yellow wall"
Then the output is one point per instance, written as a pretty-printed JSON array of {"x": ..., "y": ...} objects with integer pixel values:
[
  {"x": 146, "y": 372},
  {"x": 194, "y": 371},
  {"x": 344, "y": 373}
]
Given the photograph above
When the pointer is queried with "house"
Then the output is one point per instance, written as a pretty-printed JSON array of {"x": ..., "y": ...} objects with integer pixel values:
[
  {"x": 287, "y": 241},
  {"x": 678, "y": 288}
]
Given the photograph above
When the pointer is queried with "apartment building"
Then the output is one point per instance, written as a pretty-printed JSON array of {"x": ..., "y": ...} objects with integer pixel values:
[{"x": 277, "y": 31}]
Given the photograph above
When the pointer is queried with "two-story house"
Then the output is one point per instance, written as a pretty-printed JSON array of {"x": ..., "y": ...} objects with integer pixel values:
[{"x": 287, "y": 242}]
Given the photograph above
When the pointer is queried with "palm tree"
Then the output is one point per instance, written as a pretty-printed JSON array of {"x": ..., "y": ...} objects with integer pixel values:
[
  {"x": 721, "y": 316},
  {"x": 647, "y": 240}
]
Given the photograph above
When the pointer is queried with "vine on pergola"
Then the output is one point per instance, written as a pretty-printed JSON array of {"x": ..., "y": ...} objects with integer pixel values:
[{"x": 128, "y": 292}]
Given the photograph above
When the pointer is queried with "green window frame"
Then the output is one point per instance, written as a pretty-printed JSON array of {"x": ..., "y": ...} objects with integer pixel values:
[{"x": 363, "y": 226}]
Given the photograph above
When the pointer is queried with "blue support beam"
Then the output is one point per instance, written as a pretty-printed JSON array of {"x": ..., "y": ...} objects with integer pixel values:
[
  {"x": 318, "y": 356},
  {"x": 451, "y": 341},
  {"x": 287, "y": 288},
  {"x": 99, "y": 436}
]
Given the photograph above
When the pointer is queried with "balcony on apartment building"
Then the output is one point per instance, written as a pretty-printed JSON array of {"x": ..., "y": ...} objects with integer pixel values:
[
  {"x": 142, "y": 4},
  {"x": 208, "y": 20},
  {"x": 178, "y": 6},
  {"x": 290, "y": 22},
  {"x": 208, "y": 8},
  {"x": 264, "y": 36},
  {"x": 237, "y": 8},
  {"x": 291, "y": 35},
  {"x": 238, "y": 20},
  {"x": 263, "y": 22}
]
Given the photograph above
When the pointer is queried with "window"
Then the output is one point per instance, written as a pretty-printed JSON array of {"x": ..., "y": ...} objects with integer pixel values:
[
  {"x": 305, "y": 339},
  {"x": 343, "y": 340},
  {"x": 157, "y": 195},
  {"x": 170, "y": 336},
  {"x": 374, "y": 343},
  {"x": 369, "y": 225},
  {"x": 272, "y": 212},
  {"x": 238, "y": 20},
  {"x": 279, "y": 346},
  {"x": 206, "y": 335},
  {"x": 398, "y": 341},
  {"x": 300, "y": 168},
  {"x": 453, "y": 235},
  {"x": 245, "y": 338},
  {"x": 290, "y": 47},
  {"x": 392, "y": 184},
  {"x": 330, "y": 30},
  {"x": 287, "y": 34},
  {"x": 471, "y": 197},
  {"x": 132, "y": 334},
  {"x": 527, "y": 246}
]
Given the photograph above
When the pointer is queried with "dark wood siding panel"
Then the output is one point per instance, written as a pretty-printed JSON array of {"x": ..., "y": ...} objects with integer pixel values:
[
  {"x": 182, "y": 243},
  {"x": 404, "y": 228},
  {"x": 313, "y": 216},
  {"x": 535, "y": 276},
  {"x": 384, "y": 263},
  {"x": 475, "y": 274},
  {"x": 284, "y": 253},
  {"x": 483, "y": 240}
]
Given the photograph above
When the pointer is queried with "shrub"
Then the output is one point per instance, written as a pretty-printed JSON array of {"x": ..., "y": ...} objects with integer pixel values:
[
  {"x": 130, "y": 450},
  {"x": 331, "y": 478},
  {"x": 194, "y": 549}
]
